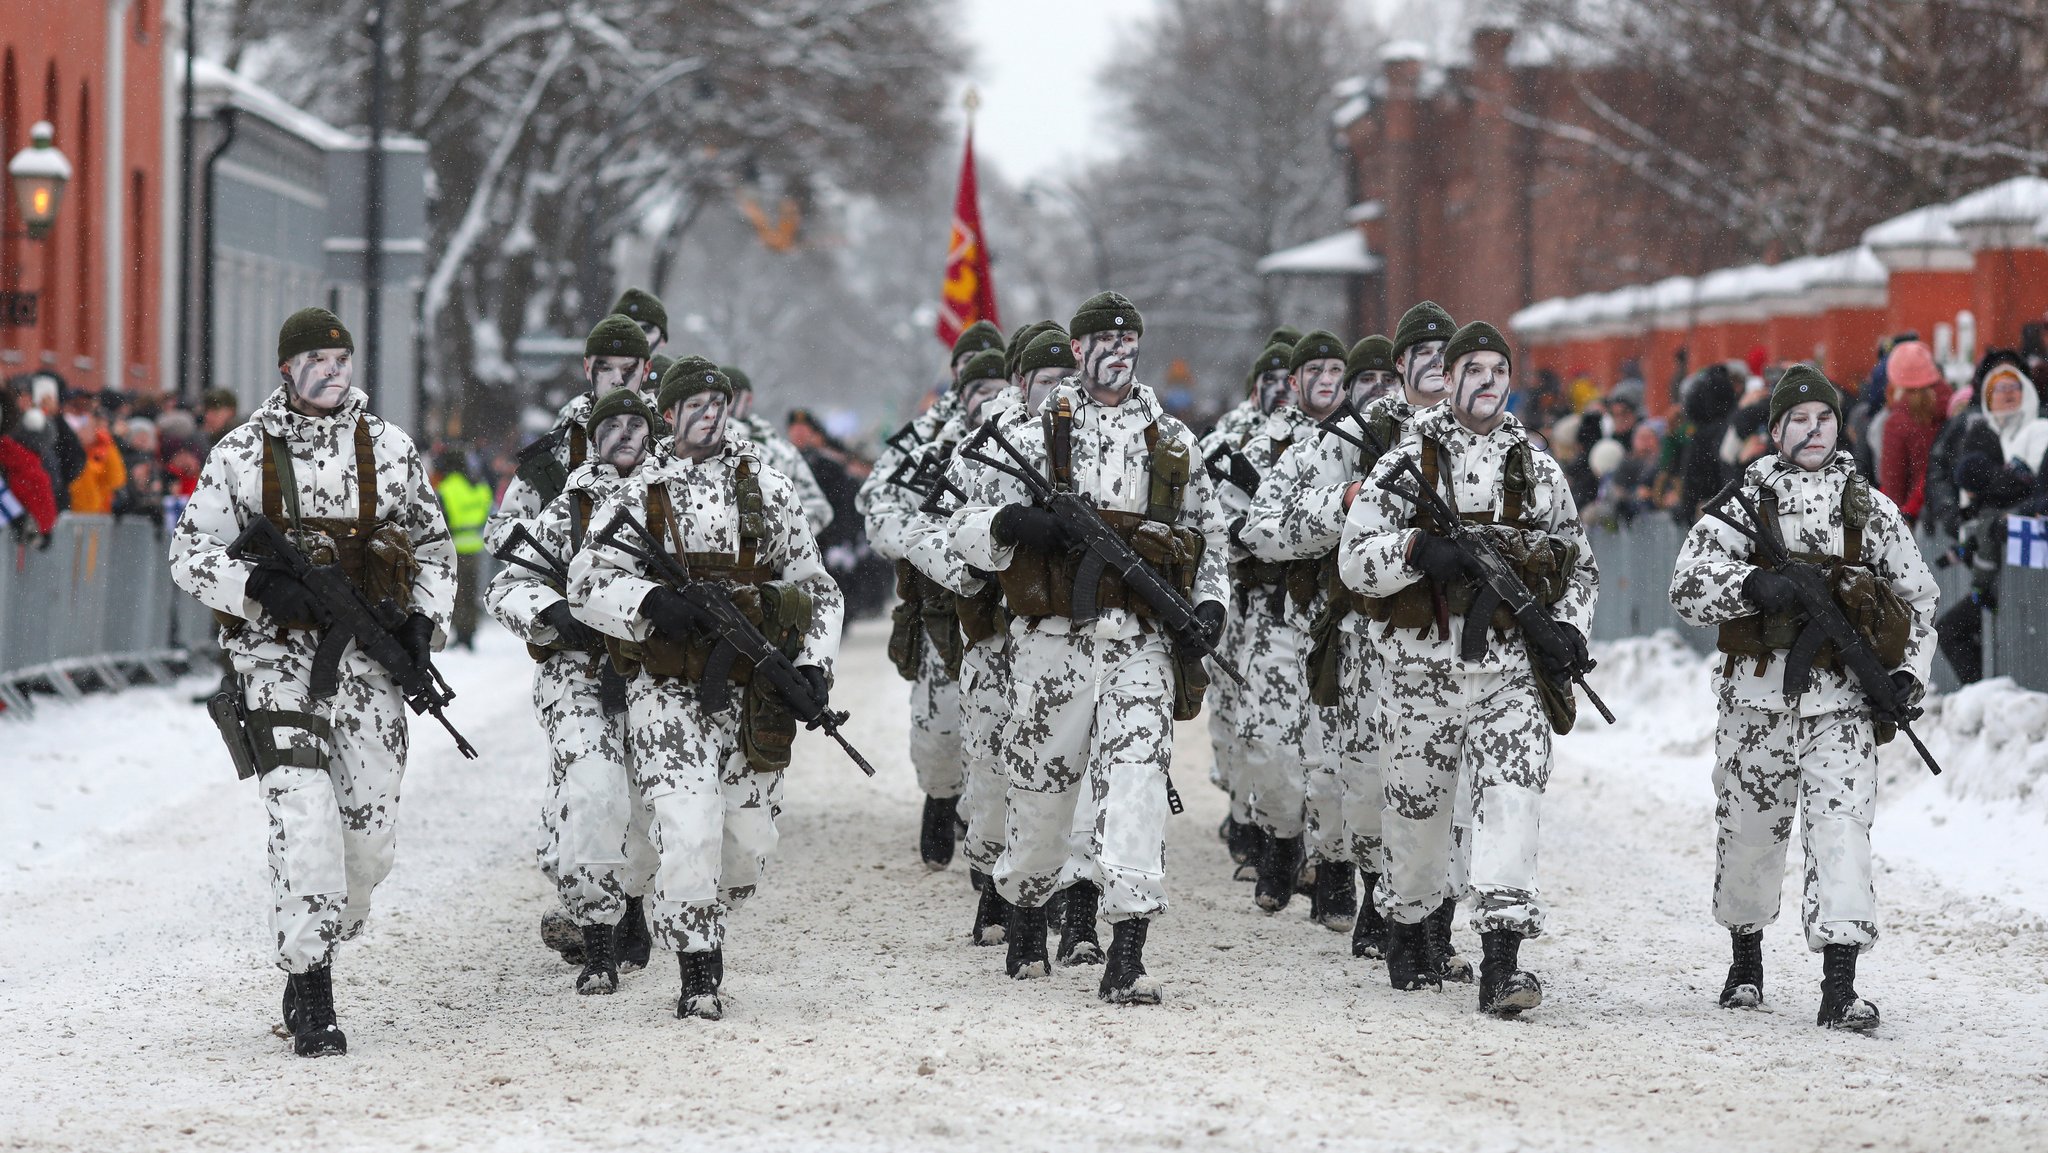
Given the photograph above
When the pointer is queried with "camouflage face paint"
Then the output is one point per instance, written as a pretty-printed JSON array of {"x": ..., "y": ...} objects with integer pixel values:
[
  {"x": 1275, "y": 388},
  {"x": 1482, "y": 390},
  {"x": 622, "y": 442},
  {"x": 1370, "y": 385},
  {"x": 606, "y": 373},
  {"x": 699, "y": 421},
  {"x": 319, "y": 380},
  {"x": 1319, "y": 386},
  {"x": 1807, "y": 434},
  {"x": 975, "y": 396},
  {"x": 1422, "y": 373},
  {"x": 1109, "y": 363},
  {"x": 1040, "y": 384}
]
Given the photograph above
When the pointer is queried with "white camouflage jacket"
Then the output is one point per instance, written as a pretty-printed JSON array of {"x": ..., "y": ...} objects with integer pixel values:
[
  {"x": 1706, "y": 584},
  {"x": 1372, "y": 556},
  {"x": 518, "y": 596},
  {"x": 1112, "y": 469},
  {"x": 782, "y": 456},
  {"x": 606, "y": 586},
  {"x": 521, "y": 503},
  {"x": 230, "y": 495}
]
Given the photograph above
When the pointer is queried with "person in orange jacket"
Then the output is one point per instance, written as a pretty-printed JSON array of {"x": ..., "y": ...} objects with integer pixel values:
[{"x": 105, "y": 473}]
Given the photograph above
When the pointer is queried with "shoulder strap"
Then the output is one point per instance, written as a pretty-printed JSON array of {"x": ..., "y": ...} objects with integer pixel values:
[
  {"x": 579, "y": 447},
  {"x": 366, "y": 477},
  {"x": 280, "y": 487},
  {"x": 661, "y": 521},
  {"x": 1059, "y": 440},
  {"x": 1855, "y": 517},
  {"x": 580, "y": 505},
  {"x": 753, "y": 511},
  {"x": 1515, "y": 483}
]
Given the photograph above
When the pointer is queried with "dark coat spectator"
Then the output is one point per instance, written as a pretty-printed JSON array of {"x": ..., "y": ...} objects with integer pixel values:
[
  {"x": 1707, "y": 409},
  {"x": 27, "y": 481}
]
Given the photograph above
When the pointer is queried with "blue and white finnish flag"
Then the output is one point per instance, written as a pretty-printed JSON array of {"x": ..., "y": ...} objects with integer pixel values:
[{"x": 2026, "y": 541}]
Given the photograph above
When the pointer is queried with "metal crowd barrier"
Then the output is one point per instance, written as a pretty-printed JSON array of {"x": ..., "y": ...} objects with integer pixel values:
[{"x": 94, "y": 610}]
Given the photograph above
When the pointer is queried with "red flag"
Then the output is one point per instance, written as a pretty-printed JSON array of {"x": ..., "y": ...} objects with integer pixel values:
[{"x": 970, "y": 292}]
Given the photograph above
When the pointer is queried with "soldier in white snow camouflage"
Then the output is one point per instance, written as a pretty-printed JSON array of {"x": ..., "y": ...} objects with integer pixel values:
[
  {"x": 351, "y": 491},
  {"x": 1438, "y": 708},
  {"x": 776, "y": 450},
  {"x": 711, "y": 775},
  {"x": 597, "y": 851},
  {"x": 1094, "y": 707},
  {"x": 1782, "y": 746}
]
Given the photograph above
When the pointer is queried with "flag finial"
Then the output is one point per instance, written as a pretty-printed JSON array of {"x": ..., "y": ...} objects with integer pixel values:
[{"x": 971, "y": 101}]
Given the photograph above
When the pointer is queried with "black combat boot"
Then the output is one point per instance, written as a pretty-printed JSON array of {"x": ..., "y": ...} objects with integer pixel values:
[
  {"x": 1840, "y": 1007},
  {"x": 1745, "y": 987},
  {"x": 1305, "y": 876},
  {"x": 1078, "y": 943},
  {"x": 991, "y": 913},
  {"x": 1334, "y": 904},
  {"x": 1255, "y": 839},
  {"x": 1123, "y": 979},
  {"x": 1504, "y": 989},
  {"x": 1411, "y": 957},
  {"x": 935, "y": 835},
  {"x": 1239, "y": 839},
  {"x": 309, "y": 1013},
  {"x": 1277, "y": 871},
  {"x": 1027, "y": 957},
  {"x": 701, "y": 974},
  {"x": 1449, "y": 963},
  {"x": 1369, "y": 931},
  {"x": 559, "y": 931},
  {"x": 633, "y": 945},
  {"x": 600, "y": 964}
]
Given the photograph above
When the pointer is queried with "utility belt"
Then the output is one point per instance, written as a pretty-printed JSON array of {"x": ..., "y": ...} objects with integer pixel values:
[
  {"x": 1877, "y": 613},
  {"x": 254, "y": 738},
  {"x": 1040, "y": 583},
  {"x": 1277, "y": 581}
]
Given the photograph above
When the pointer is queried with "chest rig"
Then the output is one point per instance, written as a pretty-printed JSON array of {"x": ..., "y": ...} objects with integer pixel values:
[
  {"x": 1276, "y": 580},
  {"x": 542, "y": 472},
  {"x": 376, "y": 557},
  {"x": 1040, "y": 582},
  {"x": 1878, "y": 613}
]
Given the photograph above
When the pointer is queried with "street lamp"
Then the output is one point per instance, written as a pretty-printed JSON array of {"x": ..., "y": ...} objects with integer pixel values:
[{"x": 40, "y": 173}]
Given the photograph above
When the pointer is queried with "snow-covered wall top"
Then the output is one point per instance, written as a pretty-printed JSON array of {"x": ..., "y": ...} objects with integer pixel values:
[{"x": 1921, "y": 228}]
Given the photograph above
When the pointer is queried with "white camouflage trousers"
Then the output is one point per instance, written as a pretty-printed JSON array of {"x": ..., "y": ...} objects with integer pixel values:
[
  {"x": 935, "y": 751},
  {"x": 1274, "y": 718},
  {"x": 1092, "y": 725},
  {"x": 1430, "y": 721},
  {"x": 984, "y": 707},
  {"x": 1361, "y": 769},
  {"x": 332, "y": 831},
  {"x": 594, "y": 842},
  {"x": 1226, "y": 769},
  {"x": 1766, "y": 766},
  {"x": 713, "y": 818}
]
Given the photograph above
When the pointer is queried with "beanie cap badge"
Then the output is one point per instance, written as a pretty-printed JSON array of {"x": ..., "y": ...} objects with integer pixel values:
[
  {"x": 1119, "y": 320},
  {"x": 1432, "y": 326},
  {"x": 334, "y": 334},
  {"x": 1802, "y": 388}
]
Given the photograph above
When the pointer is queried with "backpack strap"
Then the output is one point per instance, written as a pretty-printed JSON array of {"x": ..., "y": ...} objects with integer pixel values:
[
  {"x": 580, "y": 507},
  {"x": 366, "y": 478},
  {"x": 661, "y": 521},
  {"x": 1515, "y": 482},
  {"x": 1430, "y": 462},
  {"x": 280, "y": 485},
  {"x": 1059, "y": 440},
  {"x": 1855, "y": 517},
  {"x": 753, "y": 511}
]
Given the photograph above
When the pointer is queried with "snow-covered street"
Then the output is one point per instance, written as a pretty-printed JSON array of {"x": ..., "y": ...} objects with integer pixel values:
[{"x": 136, "y": 993}]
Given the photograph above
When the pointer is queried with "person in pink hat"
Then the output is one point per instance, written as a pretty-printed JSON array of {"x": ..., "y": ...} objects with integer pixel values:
[{"x": 1918, "y": 400}]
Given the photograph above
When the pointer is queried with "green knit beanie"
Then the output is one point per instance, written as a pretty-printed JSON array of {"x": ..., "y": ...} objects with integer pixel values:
[
  {"x": 984, "y": 365},
  {"x": 640, "y": 306},
  {"x": 1052, "y": 348},
  {"x": 1477, "y": 336},
  {"x": 311, "y": 329},
  {"x": 741, "y": 382},
  {"x": 1373, "y": 354},
  {"x": 658, "y": 364},
  {"x": 1106, "y": 311},
  {"x": 616, "y": 335},
  {"x": 687, "y": 377},
  {"x": 1801, "y": 383},
  {"x": 1020, "y": 339},
  {"x": 1276, "y": 358},
  {"x": 981, "y": 336},
  {"x": 1286, "y": 334},
  {"x": 1419, "y": 325},
  {"x": 617, "y": 402},
  {"x": 1321, "y": 344}
]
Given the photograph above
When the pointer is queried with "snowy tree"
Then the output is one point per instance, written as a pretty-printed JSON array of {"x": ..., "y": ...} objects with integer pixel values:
[
  {"x": 555, "y": 129},
  {"x": 1230, "y": 154}
]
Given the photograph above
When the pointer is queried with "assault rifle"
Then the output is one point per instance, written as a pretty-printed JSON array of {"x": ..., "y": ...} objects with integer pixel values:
[
  {"x": 1499, "y": 584},
  {"x": 348, "y": 616},
  {"x": 1824, "y": 621},
  {"x": 1364, "y": 440},
  {"x": 611, "y": 687},
  {"x": 734, "y": 637},
  {"x": 1103, "y": 551},
  {"x": 1222, "y": 465}
]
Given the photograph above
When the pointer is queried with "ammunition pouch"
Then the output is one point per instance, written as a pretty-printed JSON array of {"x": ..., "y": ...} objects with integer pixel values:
[
  {"x": 982, "y": 615},
  {"x": 906, "y": 623},
  {"x": 1560, "y": 705},
  {"x": 941, "y": 621},
  {"x": 1190, "y": 684},
  {"x": 1040, "y": 583},
  {"x": 1544, "y": 563},
  {"x": 1326, "y": 653},
  {"x": 1877, "y": 614}
]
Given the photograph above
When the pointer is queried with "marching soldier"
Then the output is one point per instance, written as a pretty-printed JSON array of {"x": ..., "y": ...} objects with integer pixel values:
[
  {"x": 348, "y": 490},
  {"x": 1788, "y": 742},
  {"x": 597, "y": 844},
  {"x": 1439, "y": 708},
  {"x": 615, "y": 356},
  {"x": 710, "y": 771},
  {"x": 935, "y": 752},
  {"x": 644, "y": 309},
  {"x": 1095, "y": 704},
  {"x": 776, "y": 450}
]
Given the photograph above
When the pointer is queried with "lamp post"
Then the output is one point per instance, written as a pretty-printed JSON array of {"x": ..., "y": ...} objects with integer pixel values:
[{"x": 39, "y": 174}]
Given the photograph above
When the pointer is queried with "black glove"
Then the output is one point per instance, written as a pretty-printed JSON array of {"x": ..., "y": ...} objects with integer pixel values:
[
  {"x": 1028, "y": 524},
  {"x": 1243, "y": 475},
  {"x": 282, "y": 595},
  {"x": 417, "y": 634},
  {"x": 673, "y": 615},
  {"x": 570, "y": 633},
  {"x": 1211, "y": 615},
  {"x": 1439, "y": 559},
  {"x": 1770, "y": 592},
  {"x": 820, "y": 685},
  {"x": 1908, "y": 689},
  {"x": 1569, "y": 654}
]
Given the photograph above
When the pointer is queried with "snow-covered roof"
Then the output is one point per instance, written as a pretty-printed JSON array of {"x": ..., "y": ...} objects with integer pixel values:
[
  {"x": 249, "y": 96},
  {"x": 1339, "y": 254},
  {"x": 1539, "y": 318},
  {"x": 1350, "y": 112},
  {"x": 1614, "y": 308},
  {"x": 1921, "y": 228},
  {"x": 1404, "y": 50},
  {"x": 1364, "y": 212},
  {"x": 2023, "y": 199},
  {"x": 1732, "y": 285},
  {"x": 1673, "y": 294},
  {"x": 1857, "y": 266}
]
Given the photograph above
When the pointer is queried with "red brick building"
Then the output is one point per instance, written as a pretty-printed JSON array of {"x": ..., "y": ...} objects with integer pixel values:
[
  {"x": 1472, "y": 200},
  {"x": 87, "y": 301}
]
